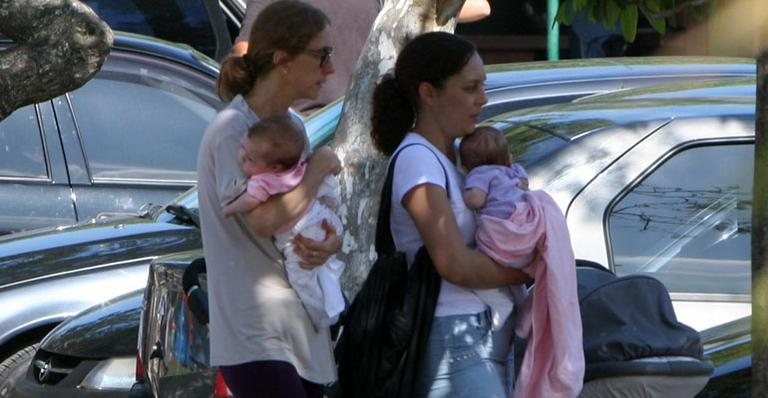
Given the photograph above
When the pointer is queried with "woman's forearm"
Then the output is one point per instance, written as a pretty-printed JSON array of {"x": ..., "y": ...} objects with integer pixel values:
[
  {"x": 281, "y": 209},
  {"x": 474, "y": 10},
  {"x": 475, "y": 270},
  {"x": 455, "y": 262}
]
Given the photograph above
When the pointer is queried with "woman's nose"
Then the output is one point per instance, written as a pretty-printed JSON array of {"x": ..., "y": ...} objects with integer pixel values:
[
  {"x": 328, "y": 67},
  {"x": 483, "y": 98}
]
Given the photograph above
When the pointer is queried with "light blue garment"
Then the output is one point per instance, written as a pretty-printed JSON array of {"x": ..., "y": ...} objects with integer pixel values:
[{"x": 463, "y": 358}]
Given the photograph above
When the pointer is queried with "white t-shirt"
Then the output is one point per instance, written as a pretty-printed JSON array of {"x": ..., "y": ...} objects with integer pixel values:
[{"x": 417, "y": 165}]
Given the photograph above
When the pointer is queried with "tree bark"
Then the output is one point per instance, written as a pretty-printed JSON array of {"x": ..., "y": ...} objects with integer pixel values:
[
  {"x": 363, "y": 171},
  {"x": 58, "y": 46},
  {"x": 760, "y": 236}
]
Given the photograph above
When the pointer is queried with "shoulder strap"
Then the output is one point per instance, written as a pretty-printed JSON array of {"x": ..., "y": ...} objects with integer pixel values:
[{"x": 385, "y": 244}]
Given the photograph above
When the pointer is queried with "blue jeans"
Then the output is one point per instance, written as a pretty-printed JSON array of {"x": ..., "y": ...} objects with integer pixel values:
[{"x": 464, "y": 359}]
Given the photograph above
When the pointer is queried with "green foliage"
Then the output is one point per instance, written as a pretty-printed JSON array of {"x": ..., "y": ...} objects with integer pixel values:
[
  {"x": 626, "y": 13},
  {"x": 629, "y": 22}
]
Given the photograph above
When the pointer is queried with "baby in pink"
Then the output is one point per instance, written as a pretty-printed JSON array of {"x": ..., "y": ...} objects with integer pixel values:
[
  {"x": 527, "y": 230},
  {"x": 274, "y": 159}
]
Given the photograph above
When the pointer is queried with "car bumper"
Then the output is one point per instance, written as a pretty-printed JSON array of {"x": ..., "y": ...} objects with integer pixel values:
[{"x": 69, "y": 386}]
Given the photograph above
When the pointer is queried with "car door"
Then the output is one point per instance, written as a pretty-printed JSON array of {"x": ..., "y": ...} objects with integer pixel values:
[
  {"x": 34, "y": 187},
  {"x": 678, "y": 207},
  {"x": 131, "y": 134}
]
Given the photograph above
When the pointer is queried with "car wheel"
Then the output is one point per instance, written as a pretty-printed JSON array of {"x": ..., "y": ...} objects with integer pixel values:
[{"x": 13, "y": 369}]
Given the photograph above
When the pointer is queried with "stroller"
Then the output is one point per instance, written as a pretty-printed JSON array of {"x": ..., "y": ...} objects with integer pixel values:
[{"x": 633, "y": 344}]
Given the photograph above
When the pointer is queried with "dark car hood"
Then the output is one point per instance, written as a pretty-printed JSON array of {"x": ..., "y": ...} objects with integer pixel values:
[
  {"x": 50, "y": 252},
  {"x": 109, "y": 329}
]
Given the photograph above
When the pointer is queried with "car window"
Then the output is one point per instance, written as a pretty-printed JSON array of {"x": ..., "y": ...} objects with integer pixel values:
[
  {"x": 21, "y": 145},
  {"x": 689, "y": 222},
  {"x": 184, "y": 21},
  {"x": 150, "y": 131}
]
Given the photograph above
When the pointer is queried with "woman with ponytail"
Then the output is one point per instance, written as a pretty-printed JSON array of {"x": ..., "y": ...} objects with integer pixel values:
[
  {"x": 433, "y": 97},
  {"x": 261, "y": 337}
]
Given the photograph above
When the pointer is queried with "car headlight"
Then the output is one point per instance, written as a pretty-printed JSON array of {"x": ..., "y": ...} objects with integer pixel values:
[{"x": 111, "y": 374}]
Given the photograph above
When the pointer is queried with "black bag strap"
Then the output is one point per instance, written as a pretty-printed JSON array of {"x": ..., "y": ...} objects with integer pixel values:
[{"x": 385, "y": 243}]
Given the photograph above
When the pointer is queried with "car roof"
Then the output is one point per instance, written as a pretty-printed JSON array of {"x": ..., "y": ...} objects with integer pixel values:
[
  {"x": 565, "y": 145},
  {"x": 177, "y": 52},
  {"x": 541, "y": 72},
  {"x": 539, "y": 83},
  {"x": 602, "y": 110}
]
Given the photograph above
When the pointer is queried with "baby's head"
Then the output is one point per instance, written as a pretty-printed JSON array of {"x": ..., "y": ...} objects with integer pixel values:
[
  {"x": 273, "y": 144},
  {"x": 485, "y": 146}
]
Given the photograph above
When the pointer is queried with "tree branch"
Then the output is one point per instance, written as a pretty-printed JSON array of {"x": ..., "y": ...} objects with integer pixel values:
[{"x": 59, "y": 45}]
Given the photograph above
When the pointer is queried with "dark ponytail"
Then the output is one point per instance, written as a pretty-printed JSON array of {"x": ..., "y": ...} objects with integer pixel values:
[
  {"x": 393, "y": 115},
  {"x": 235, "y": 77},
  {"x": 431, "y": 57}
]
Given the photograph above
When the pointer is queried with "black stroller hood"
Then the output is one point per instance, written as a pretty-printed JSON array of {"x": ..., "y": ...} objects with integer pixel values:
[{"x": 630, "y": 318}]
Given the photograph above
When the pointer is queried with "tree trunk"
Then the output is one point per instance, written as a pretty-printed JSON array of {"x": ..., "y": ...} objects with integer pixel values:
[
  {"x": 760, "y": 236},
  {"x": 59, "y": 45},
  {"x": 363, "y": 171}
]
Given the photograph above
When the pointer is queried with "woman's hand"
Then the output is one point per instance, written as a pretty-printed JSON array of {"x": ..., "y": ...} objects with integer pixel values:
[{"x": 314, "y": 253}]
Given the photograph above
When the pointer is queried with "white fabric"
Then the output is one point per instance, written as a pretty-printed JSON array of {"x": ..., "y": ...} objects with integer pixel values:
[
  {"x": 415, "y": 166},
  {"x": 319, "y": 288}
]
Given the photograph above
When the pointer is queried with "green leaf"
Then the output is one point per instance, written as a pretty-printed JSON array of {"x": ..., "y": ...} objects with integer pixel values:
[
  {"x": 653, "y": 6},
  {"x": 658, "y": 24},
  {"x": 612, "y": 12},
  {"x": 629, "y": 23}
]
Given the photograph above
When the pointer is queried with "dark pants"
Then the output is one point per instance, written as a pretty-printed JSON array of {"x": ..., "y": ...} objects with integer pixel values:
[{"x": 268, "y": 379}]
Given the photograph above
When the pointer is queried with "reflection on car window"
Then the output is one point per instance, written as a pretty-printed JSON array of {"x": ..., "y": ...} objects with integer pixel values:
[
  {"x": 530, "y": 145},
  {"x": 184, "y": 21},
  {"x": 151, "y": 131},
  {"x": 689, "y": 222},
  {"x": 21, "y": 145}
]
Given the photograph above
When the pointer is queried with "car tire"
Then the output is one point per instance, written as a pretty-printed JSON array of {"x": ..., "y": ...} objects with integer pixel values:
[{"x": 14, "y": 368}]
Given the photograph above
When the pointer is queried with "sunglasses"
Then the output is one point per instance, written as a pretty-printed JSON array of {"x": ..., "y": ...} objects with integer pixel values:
[{"x": 324, "y": 54}]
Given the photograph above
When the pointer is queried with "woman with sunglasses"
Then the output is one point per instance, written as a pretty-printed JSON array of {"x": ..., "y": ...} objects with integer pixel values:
[{"x": 261, "y": 337}]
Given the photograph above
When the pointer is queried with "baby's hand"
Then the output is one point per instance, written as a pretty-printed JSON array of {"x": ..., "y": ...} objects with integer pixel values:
[
  {"x": 474, "y": 198},
  {"x": 523, "y": 184},
  {"x": 325, "y": 160}
]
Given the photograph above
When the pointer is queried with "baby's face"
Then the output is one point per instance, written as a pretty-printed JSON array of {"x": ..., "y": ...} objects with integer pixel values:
[{"x": 252, "y": 158}]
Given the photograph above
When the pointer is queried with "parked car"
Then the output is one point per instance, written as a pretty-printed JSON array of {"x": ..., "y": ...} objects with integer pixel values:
[
  {"x": 127, "y": 137},
  {"x": 507, "y": 91}
]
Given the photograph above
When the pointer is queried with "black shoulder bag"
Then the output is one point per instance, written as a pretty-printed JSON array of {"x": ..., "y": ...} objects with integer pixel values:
[{"x": 387, "y": 326}]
